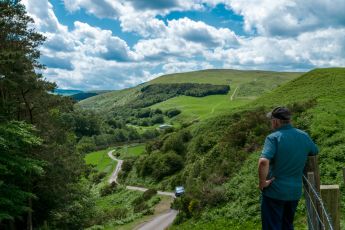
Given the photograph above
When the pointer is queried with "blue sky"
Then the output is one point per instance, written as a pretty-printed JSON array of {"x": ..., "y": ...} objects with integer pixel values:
[{"x": 114, "y": 44}]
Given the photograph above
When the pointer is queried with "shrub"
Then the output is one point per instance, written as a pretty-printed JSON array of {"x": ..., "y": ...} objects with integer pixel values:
[
  {"x": 172, "y": 112},
  {"x": 108, "y": 189},
  {"x": 138, "y": 201},
  {"x": 148, "y": 194},
  {"x": 194, "y": 207},
  {"x": 157, "y": 119},
  {"x": 140, "y": 207},
  {"x": 86, "y": 145},
  {"x": 127, "y": 164},
  {"x": 97, "y": 178},
  {"x": 117, "y": 213},
  {"x": 174, "y": 143},
  {"x": 150, "y": 134}
]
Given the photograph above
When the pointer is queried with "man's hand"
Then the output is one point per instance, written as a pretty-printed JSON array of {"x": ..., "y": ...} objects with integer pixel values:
[{"x": 265, "y": 183}]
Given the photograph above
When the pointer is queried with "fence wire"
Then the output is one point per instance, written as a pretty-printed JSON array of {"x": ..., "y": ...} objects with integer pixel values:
[{"x": 315, "y": 211}]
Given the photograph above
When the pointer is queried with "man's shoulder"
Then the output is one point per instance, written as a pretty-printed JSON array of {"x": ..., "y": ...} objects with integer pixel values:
[
  {"x": 278, "y": 133},
  {"x": 301, "y": 132}
]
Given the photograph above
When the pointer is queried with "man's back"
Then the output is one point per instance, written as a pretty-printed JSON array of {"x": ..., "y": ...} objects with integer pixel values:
[{"x": 287, "y": 149}]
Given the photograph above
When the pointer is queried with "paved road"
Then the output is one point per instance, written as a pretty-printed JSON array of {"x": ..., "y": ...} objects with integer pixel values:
[
  {"x": 160, "y": 222},
  {"x": 113, "y": 177}
]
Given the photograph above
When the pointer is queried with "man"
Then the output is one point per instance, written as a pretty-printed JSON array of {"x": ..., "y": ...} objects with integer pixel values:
[{"x": 280, "y": 170}]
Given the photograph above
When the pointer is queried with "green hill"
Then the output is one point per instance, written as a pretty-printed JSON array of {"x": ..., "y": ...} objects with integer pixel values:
[
  {"x": 216, "y": 159},
  {"x": 263, "y": 81},
  {"x": 323, "y": 113}
]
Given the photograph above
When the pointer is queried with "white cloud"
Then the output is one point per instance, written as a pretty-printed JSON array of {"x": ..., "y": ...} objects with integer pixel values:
[
  {"x": 200, "y": 32},
  {"x": 185, "y": 66},
  {"x": 322, "y": 48},
  {"x": 99, "y": 8},
  {"x": 89, "y": 57},
  {"x": 289, "y": 17}
]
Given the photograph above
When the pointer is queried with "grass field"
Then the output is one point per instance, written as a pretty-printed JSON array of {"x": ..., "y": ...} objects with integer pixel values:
[
  {"x": 200, "y": 108},
  {"x": 129, "y": 151},
  {"x": 101, "y": 160}
]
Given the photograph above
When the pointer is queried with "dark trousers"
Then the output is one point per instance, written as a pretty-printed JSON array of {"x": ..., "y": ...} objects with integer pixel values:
[{"x": 277, "y": 214}]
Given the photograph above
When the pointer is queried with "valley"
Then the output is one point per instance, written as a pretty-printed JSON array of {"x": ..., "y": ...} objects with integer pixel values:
[{"x": 211, "y": 148}]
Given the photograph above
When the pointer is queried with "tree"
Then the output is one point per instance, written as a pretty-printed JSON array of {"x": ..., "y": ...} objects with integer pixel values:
[
  {"x": 20, "y": 85},
  {"x": 35, "y": 181},
  {"x": 17, "y": 142}
]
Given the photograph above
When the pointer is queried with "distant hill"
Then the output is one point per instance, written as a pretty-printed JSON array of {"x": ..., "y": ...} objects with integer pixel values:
[
  {"x": 252, "y": 83},
  {"x": 82, "y": 96},
  {"x": 79, "y": 95},
  {"x": 66, "y": 92}
]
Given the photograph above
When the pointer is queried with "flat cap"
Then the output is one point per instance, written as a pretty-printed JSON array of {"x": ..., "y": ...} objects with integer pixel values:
[{"x": 280, "y": 112}]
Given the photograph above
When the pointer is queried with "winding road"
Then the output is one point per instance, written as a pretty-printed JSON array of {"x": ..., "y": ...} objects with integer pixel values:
[{"x": 159, "y": 222}]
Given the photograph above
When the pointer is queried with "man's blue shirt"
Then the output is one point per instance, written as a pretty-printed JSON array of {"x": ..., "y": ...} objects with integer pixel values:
[{"x": 287, "y": 148}]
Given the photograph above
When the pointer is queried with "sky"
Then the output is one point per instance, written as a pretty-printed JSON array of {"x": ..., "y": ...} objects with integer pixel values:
[{"x": 115, "y": 44}]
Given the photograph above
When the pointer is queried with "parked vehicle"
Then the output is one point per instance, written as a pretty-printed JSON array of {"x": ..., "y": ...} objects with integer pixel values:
[{"x": 179, "y": 190}]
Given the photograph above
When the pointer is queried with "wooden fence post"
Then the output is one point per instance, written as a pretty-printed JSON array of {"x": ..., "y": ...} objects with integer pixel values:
[
  {"x": 331, "y": 197},
  {"x": 312, "y": 165}
]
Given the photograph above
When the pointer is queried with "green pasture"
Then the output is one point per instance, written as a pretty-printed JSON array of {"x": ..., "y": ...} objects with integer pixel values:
[
  {"x": 101, "y": 160},
  {"x": 130, "y": 150},
  {"x": 200, "y": 108}
]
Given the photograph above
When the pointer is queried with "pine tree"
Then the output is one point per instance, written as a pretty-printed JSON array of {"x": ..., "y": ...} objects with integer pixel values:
[{"x": 19, "y": 54}]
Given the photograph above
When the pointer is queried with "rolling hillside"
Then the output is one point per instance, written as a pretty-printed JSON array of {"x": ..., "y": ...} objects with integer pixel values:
[
  {"x": 264, "y": 81},
  {"x": 317, "y": 99}
]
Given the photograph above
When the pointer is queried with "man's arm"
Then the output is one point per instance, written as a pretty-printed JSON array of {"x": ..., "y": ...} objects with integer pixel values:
[
  {"x": 263, "y": 167},
  {"x": 314, "y": 150}
]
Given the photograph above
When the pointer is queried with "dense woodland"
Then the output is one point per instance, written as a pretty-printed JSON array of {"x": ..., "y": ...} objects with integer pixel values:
[
  {"x": 40, "y": 169},
  {"x": 156, "y": 93}
]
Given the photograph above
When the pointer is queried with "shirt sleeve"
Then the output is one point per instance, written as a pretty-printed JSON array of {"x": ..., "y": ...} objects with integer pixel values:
[
  {"x": 269, "y": 149},
  {"x": 314, "y": 150}
]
